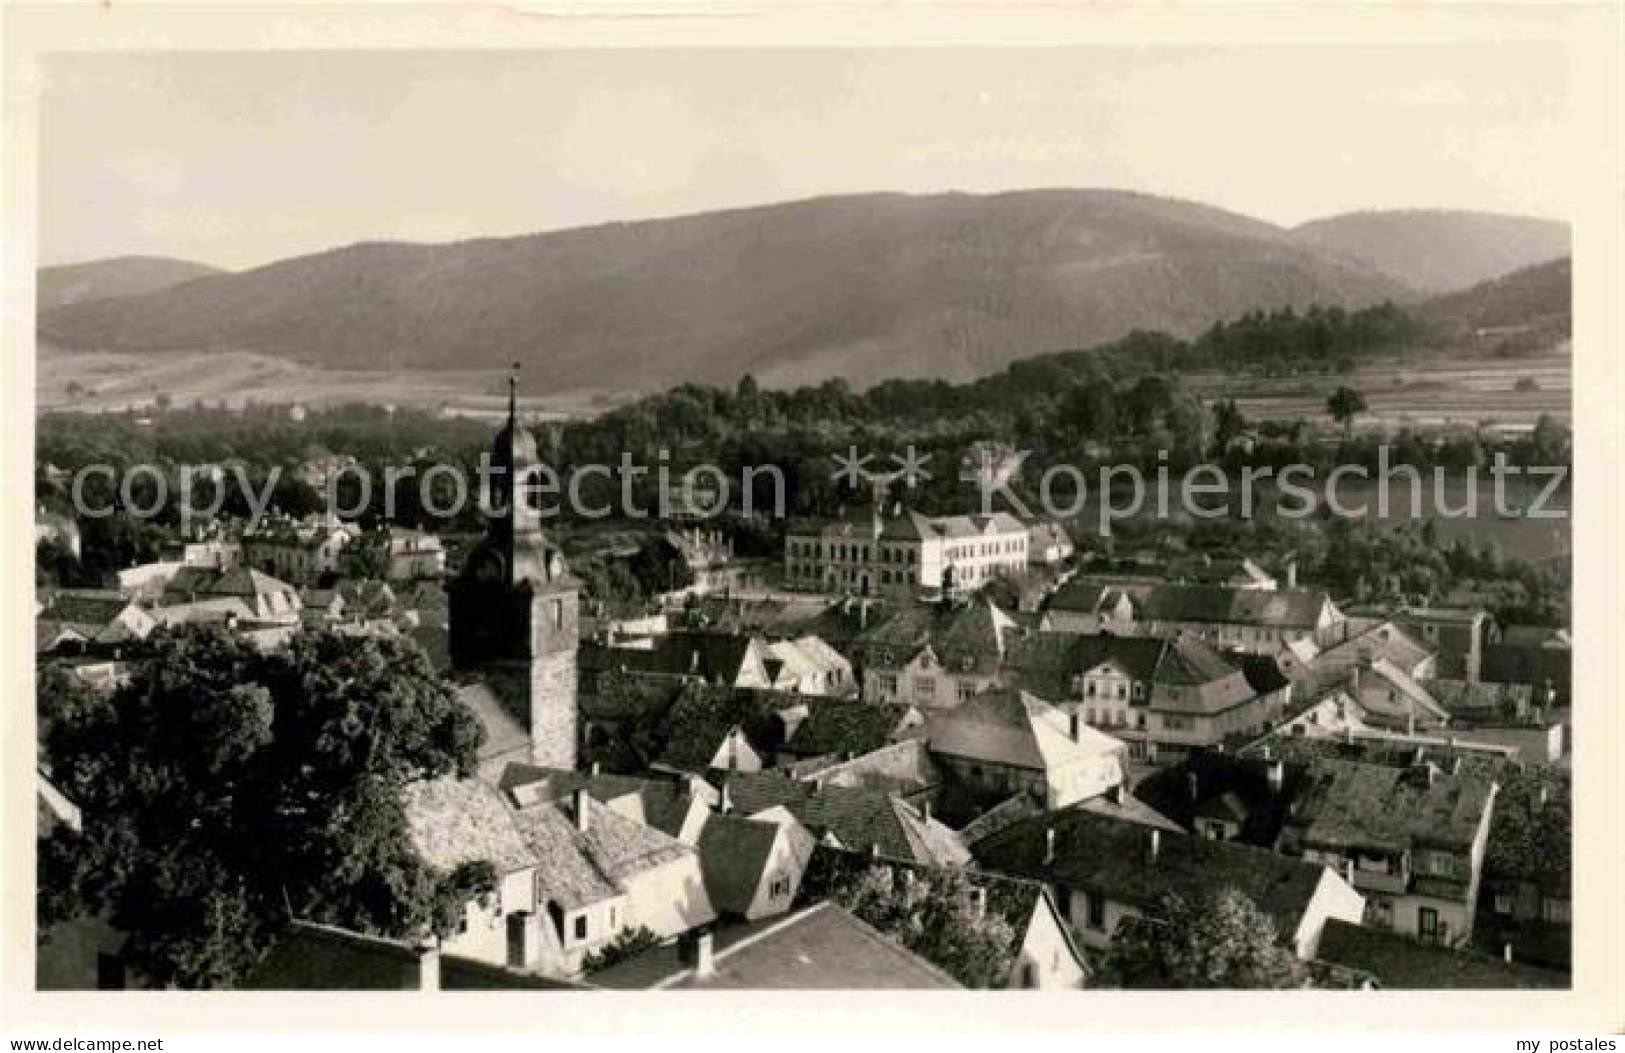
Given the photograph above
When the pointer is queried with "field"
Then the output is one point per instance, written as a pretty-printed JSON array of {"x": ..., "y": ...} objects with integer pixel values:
[
  {"x": 1429, "y": 392},
  {"x": 108, "y": 382}
]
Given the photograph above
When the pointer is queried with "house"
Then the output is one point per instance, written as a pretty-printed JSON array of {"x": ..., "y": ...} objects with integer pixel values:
[
  {"x": 753, "y": 867},
  {"x": 1049, "y": 543},
  {"x": 934, "y": 654},
  {"x": 1389, "y": 698},
  {"x": 1001, "y": 742},
  {"x": 1042, "y": 953},
  {"x": 825, "y": 727},
  {"x": 822, "y": 947},
  {"x": 297, "y": 550},
  {"x": 1546, "y": 670},
  {"x": 413, "y": 554},
  {"x": 1248, "y": 619},
  {"x": 52, "y": 528},
  {"x": 903, "y": 554},
  {"x": 1410, "y": 837},
  {"x": 905, "y": 768},
  {"x": 1230, "y": 570},
  {"x": 79, "y": 620},
  {"x": 571, "y": 875},
  {"x": 1384, "y": 959},
  {"x": 1368, "y": 642},
  {"x": 1161, "y": 696},
  {"x": 676, "y": 807},
  {"x": 809, "y": 666},
  {"x": 1526, "y": 902},
  {"x": 857, "y": 818},
  {"x": 1457, "y": 634},
  {"x": 1103, "y": 869},
  {"x": 705, "y": 553},
  {"x": 249, "y": 597},
  {"x": 1089, "y": 605}
]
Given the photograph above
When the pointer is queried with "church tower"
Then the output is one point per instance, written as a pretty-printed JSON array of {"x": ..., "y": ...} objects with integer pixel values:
[{"x": 513, "y": 607}]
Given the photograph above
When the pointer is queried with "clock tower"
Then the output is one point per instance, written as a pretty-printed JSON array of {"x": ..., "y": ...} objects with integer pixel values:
[{"x": 513, "y": 606}]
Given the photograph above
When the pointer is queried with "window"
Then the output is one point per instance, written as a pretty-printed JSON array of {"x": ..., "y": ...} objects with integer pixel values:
[
  {"x": 1554, "y": 910},
  {"x": 1503, "y": 903},
  {"x": 1096, "y": 906},
  {"x": 967, "y": 690},
  {"x": 780, "y": 888},
  {"x": 924, "y": 687},
  {"x": 581, "y": 926}
]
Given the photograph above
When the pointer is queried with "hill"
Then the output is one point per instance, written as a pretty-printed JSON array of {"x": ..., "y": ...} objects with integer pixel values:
[
  {"x": 1438, "y": 251},
  {"x": 1527, "y": 310},
  {"x": 121, "y": 276},
  {"x": 864, "y": 287}
]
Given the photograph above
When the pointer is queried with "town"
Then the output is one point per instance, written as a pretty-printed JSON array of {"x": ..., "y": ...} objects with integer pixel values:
[{"x": 894, "y": 741}]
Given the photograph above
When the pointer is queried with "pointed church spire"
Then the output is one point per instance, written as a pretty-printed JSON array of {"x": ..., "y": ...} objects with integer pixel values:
[{"x": 513, "y": 397}]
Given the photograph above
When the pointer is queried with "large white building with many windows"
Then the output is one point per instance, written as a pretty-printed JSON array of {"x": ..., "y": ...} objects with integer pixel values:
[{"x": 904, "y": 554}]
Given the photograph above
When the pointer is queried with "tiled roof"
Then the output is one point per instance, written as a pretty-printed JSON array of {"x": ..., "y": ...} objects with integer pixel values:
[
  {"x": 859, "y": 818},
  {"x": 1017, "y": 729},
  {"x": 456, "y": 821},
  {"x": 845, "y": 726},
  {"x": 576, "y": 867},
  {"x": 821, "y": 948},
  {"x": 311, "y": 957},
  {"x": 704, "y": 716},
  {"x": 1349, "y": 804},
  {"x": 1282, "y": 609},
  {"x": 1399, "y": 962},
  {"x": 1114, "y": 857},
  {"x": 734, "y": 855},
  {"x": 966, "y": 637}
]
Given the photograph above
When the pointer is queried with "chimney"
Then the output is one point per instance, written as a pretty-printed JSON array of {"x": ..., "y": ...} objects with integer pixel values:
[
  {"x": 726, "y": 804},
  {"x": 874, "y": 849},
  {"x": 1410, "y": 724},
  {"x": 596, "y": 768},
  {"x": 1074, "y": 725},
  {"x": 1543, "y": 797},
  {"x": 1348, "y": 872},
  {"x": 1049, "y": 845},
  {"x": 1506, "y": 953},
  {"x": 1269, "y": 752},
  {"x": 583, "y": 817},
  {"x": 1277, "y": 776},
  {"x": 1156, "y": 842},
  {"x": 705, "y": 962},
  {"x": 428, "y": 952},
  {"x": 1292, "y": 573},
  {"x": 694, "y": 660}
]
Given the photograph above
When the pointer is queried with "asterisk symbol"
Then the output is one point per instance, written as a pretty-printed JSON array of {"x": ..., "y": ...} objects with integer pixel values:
[
  {"x": 911, "y": 467},
  {"x": 853, "y": 468}
]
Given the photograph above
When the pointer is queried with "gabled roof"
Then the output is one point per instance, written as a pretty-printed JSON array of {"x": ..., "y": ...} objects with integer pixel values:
[
  {"x": 822, "y": 947},
  {"x": 859, "y": 818},
  {"x": 1219, "y": 604},
  {"x": 846, "y": 726},
  {"x": 575, "y": 867},
  {"x": 735, "y": 852},
  {"x": 1415, "y": 695},
  {"x": 968, "y": 637},
  {"x": 456, "y": 821},
  {"x": 1350, "y": 804},
  {"x": 1016, "y": 729},
  {"x": 1114, "y": 858}
]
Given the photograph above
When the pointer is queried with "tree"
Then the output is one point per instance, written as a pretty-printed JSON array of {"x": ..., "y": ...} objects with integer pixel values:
[
  {"x": 225, "y": 789},
  {"x": 1344, "y": 405},
  {"x": 935, "y": 915},
  {"x": 1221, "y": 940},
  {"x": 1228, "y": 423}
]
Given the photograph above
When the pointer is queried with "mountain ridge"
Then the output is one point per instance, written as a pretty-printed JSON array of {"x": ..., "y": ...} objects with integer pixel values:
[{"x": 863, "y": 286}]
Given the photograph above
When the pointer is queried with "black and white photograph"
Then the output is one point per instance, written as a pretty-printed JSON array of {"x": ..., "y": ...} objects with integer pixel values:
[{"x": 1069, "y": 513}]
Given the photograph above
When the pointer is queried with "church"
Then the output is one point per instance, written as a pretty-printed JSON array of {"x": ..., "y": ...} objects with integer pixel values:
[{"x": 513, "y": 618}]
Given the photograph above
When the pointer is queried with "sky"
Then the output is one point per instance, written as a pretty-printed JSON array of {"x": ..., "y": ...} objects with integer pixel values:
[{"x": 241, "y": 159}]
